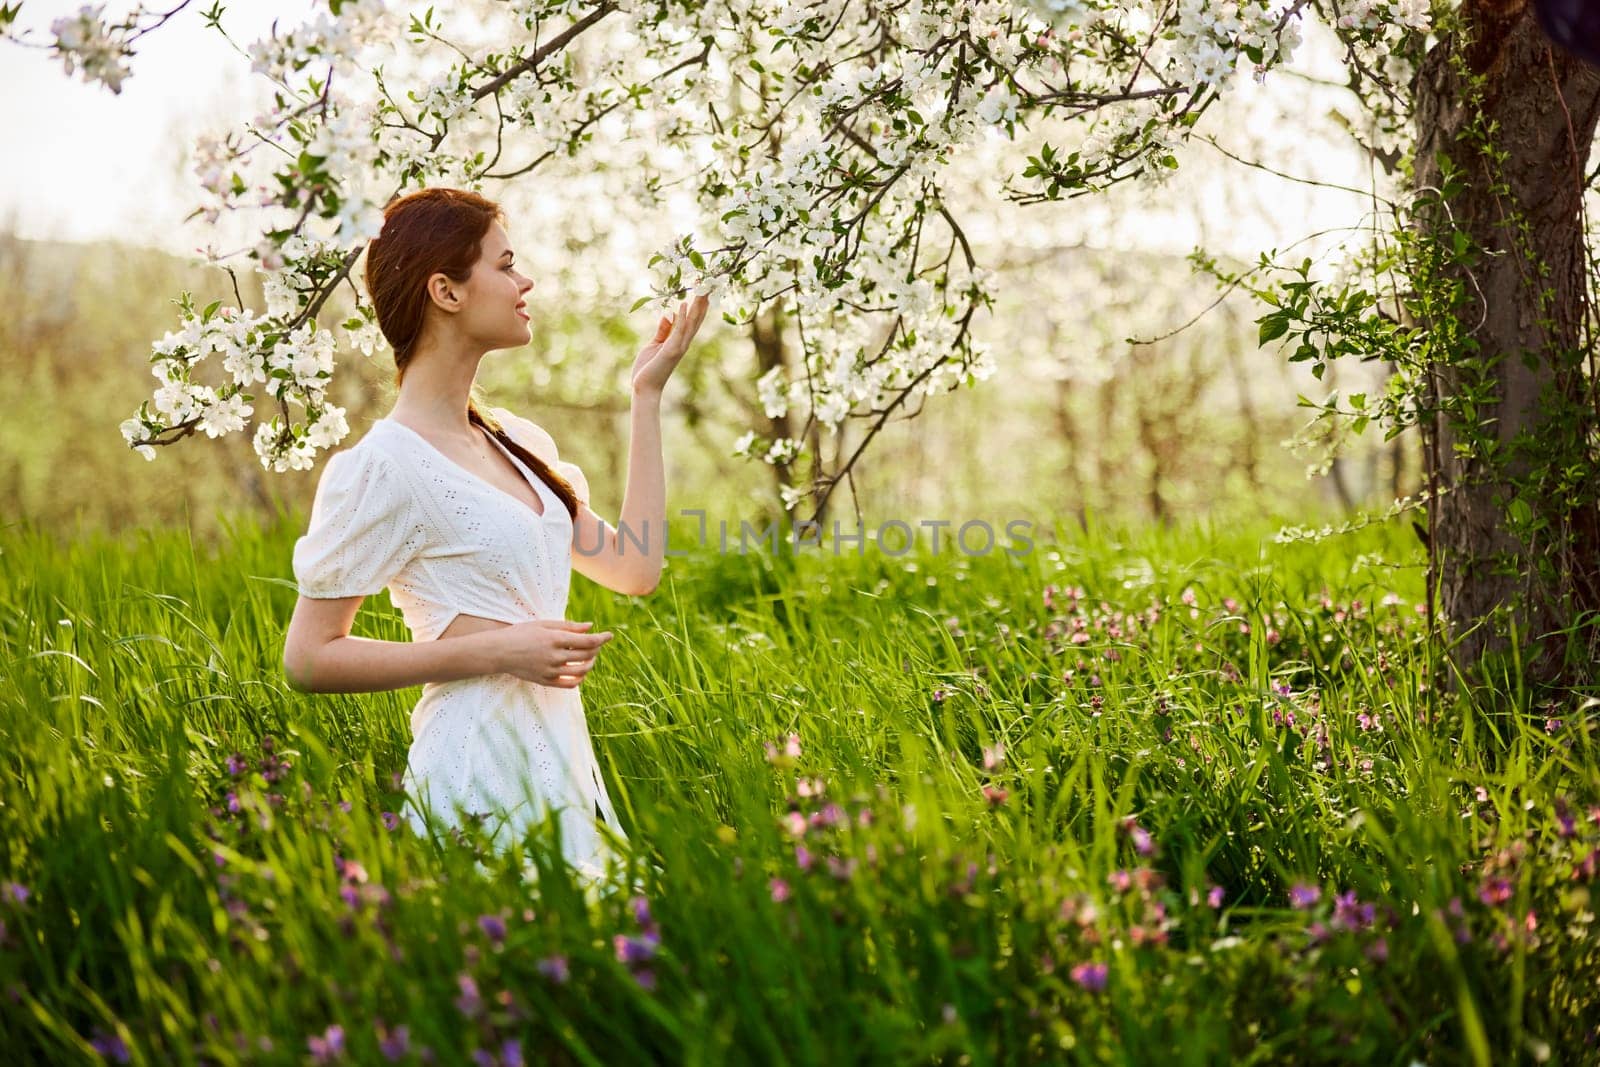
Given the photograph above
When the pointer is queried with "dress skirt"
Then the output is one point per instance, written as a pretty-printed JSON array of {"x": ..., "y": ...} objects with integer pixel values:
[{"x": 512, "y": 752}]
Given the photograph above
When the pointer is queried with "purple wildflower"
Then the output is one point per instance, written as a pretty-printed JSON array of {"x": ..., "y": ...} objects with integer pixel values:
[
  {"x": 1495, "y": 891},
  {"x": 18, "y": 892},
  {"x": 1142, "y": 843},
  {"x": 394, "y": 1044},
  {"x": 391, "y": 821},
  {"x": 1091, "y": 976},
  {"x": 646, "y": 978},
  {"x": 632, "y": 950},
  {"x": 111, "y": 1046},
  {"x": 830, "y": 814},
  {"x": 802, "y": 857},
  {"x": 493, "y": 927},
  {"x": 328, "y": 1045},
  {"x": 1214, "y": 896},
  {"x": 469, "y": 1003},
  {"x": 236, "y": 764},
  {"x": 482, "y": 1057},
  {"x": 780, "y": 890},
  {"x": 555, "y": 968},
  {"x": 1350, "y": 913},
  {"x": 1564, "y": 818},
  {"x": 511, "y": 1053},
  {"x": 1303, "y": 895},
  {"x": 641, "y": 910}
]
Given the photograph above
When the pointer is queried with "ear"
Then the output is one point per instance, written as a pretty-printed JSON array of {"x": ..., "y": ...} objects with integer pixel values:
[{"x": 442, "y": 291}]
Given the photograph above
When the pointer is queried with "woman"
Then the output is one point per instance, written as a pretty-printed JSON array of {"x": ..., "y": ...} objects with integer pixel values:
[{"x": 474, "y": 524}]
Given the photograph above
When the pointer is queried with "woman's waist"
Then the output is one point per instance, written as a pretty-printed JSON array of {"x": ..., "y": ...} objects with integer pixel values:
[
  {"x": 486, "y": 699},
  {"x": 499, "y": 689}
]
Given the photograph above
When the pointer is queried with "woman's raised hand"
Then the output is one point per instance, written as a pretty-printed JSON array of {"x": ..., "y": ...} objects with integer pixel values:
[
  {"x": 553, "y": 652},
  {"x": 658, "y": 359}
]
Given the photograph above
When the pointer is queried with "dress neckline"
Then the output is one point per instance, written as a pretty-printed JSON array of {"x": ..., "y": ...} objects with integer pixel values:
[{"x": 536, "y": 482}]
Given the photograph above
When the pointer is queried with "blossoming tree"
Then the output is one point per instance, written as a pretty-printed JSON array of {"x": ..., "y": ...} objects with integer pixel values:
[{"x": 814, "y": 138}]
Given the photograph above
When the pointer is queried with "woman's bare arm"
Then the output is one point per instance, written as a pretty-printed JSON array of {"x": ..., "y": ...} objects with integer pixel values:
[
  {"x": 320, "y": 656},
  {"x": 604, "y": 554},
  {"x": 628, "y": 558}
]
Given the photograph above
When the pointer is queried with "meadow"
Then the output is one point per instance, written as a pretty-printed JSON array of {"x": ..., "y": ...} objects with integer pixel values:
[{"x": 1135, "y": 796}]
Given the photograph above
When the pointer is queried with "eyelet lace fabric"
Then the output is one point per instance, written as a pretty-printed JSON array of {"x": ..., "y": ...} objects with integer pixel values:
[{"x": 394, "y": 512}]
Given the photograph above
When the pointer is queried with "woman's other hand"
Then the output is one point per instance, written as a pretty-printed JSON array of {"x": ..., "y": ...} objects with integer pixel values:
[
  {"x": 658, "y": 359},
  {"x": 554, "y": 652}
]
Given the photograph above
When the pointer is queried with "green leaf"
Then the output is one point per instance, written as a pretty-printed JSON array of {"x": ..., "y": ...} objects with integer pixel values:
[{"x": 1273, "y": 326}]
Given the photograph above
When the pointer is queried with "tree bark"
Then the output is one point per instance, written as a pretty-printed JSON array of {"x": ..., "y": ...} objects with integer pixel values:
[
  {"x": 1541, "y": 105},
  {"x": 766, "y": 333}
]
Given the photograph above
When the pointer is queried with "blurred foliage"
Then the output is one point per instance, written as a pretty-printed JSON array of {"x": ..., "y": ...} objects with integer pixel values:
[{"x": 1191, "y": 425}]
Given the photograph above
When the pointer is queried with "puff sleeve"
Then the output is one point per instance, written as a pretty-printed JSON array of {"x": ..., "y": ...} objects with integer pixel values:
[
  {"x": 534, "y": 438},
  {"x": 363, "y": 529}
]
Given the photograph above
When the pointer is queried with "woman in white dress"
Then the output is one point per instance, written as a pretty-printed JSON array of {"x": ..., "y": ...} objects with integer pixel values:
[{"x": 474, "y": 524}]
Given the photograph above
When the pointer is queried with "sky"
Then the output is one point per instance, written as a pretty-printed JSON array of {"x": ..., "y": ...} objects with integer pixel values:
[{"x": 84, "y": 164}]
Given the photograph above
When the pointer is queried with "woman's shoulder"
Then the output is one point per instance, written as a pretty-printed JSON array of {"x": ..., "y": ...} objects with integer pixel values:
[
  {"x": 536, "y": 439},
  {"x": 527, "y": 433},
  {"x": 368, "y": 468}
]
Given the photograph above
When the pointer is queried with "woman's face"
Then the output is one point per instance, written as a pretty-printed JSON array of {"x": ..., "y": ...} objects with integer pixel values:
[{"x": 491, "y": 308}]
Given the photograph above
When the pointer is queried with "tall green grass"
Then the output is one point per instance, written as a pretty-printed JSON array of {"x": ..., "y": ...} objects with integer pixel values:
[{"x": 1134, "y": 796}]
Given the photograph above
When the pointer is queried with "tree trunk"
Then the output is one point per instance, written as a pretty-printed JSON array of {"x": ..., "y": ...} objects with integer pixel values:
[
  {"x": 1523, "y": 360},
  {"x": 766, "y": 332}
]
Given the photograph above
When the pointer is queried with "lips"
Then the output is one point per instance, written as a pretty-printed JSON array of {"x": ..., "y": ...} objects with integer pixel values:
[{"x": 523, "y": 313}]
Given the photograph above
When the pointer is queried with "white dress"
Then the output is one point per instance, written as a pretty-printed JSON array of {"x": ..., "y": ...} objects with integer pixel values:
[{"x": 392, "y": 511}]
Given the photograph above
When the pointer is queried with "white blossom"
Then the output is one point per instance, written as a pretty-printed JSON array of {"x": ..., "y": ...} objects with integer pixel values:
[
  {"x": 770, "y": 387},
  {"x": 225, "y": 416}
]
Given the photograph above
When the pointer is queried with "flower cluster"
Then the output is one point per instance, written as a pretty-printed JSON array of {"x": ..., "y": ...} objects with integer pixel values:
[
  {"x": 294, "y": 365},
  {"x": 98, "y": 51}
]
